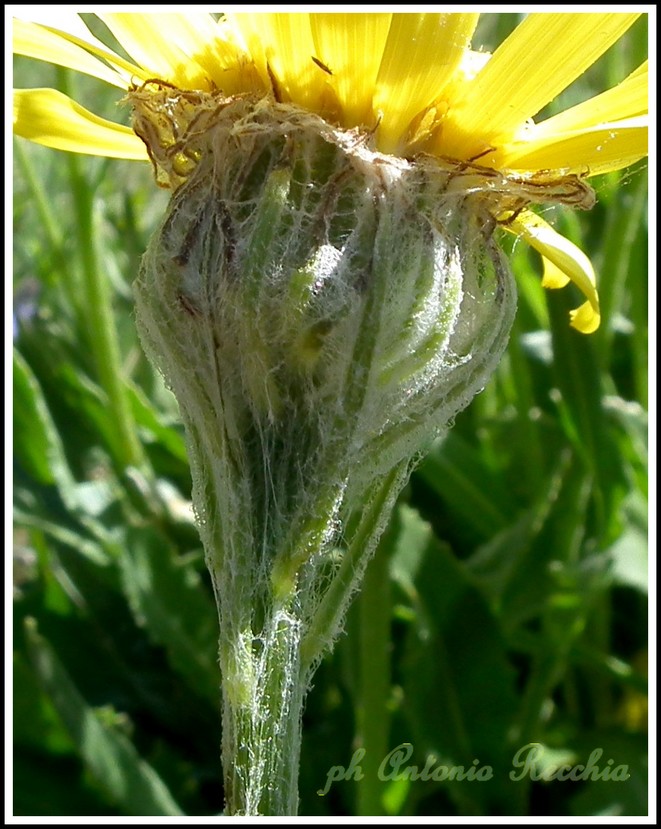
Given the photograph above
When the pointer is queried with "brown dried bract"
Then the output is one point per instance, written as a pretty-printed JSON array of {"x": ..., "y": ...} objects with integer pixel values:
[
  {"x": 505, "y": 194},
  {"x": 174, "y": 125}
]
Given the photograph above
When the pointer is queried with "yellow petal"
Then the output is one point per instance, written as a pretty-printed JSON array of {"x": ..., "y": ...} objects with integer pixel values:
[
  {"x": 584, "y": 318},
  {"x": 35, "y": 41},
  {"x": 282, "y": 47},
  {"x": 628, "y": 99},
  {"x": 541, "y": 57},
  {"x": 57, "y": 18},
  {"x": 562, "y": 255},
  {"x": 153, "y": 41},
  {"x": 219, "y": 50},
  {"x": 351, "y": 46},
  {"x": 421, "y": 55},
  {"x": 48, "y": 117},
  {"x": 552, "y": 276},
  {"x": 587, "y": 152}
]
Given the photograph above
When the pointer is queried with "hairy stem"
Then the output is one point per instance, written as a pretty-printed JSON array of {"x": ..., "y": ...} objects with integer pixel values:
[{"x": 262, "y": 729}]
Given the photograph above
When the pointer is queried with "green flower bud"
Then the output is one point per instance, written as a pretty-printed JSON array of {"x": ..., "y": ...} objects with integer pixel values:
[{"x": 321, "y": 311}]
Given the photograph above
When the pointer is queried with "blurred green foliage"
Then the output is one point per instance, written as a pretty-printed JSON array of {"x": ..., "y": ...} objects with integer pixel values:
[{"x": 506, "y": 604}]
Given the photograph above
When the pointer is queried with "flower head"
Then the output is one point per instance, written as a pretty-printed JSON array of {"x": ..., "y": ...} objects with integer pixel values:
[{"x": 410, "y": 83}]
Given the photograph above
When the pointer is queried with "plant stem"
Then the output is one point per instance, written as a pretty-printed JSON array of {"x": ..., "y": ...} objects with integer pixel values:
[
  {"x": 262, "y": 730},
  {"x": 39, "y": 198},
  {"x": 99, "y": 318},
  {"x": 100, "y": 323}
]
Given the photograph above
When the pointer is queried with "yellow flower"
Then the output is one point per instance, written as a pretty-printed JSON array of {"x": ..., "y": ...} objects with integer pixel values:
[{"x": 409, "y": 81}]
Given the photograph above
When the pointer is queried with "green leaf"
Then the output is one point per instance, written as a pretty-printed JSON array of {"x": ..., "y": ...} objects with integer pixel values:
[
  {"x": 167, "y": 597},
  {"x": 86, "y": 397},
  {"x": 581, "y": 386},
  {"x": 110, "y": 757},
  {"x": 629, "y": 554},
  {"x": 86, "y": 547},
  {"x": 494, "y": 564},
  {"x": 557, "y": 539},
  {"x": 37, "y": 443},
  {"x": 36, "y": 723},
  {"x": 148, "y": 418},
  {"x": 48, "y": 785},
  {"x": 458, "y": 684},
  {"x": 626, "y": 792},
  {"x": 457, "y": 472}
]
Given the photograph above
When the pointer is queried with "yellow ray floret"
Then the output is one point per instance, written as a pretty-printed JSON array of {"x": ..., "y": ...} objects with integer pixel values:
[
  {"x": 79, "y": 129},
  {"x": 351, "y": 48},
  {"x": 628, "y": 99},
  {"x": 563, "y": 261},
  {"x": 410, "y": 79},
  {"x": 282, "y": 48},
  {"x": 586, "y": 152},
  {"x": 158, "y": 43},
  {"x": 36, "y": 41},
  {"x": 541, "y": 58}
]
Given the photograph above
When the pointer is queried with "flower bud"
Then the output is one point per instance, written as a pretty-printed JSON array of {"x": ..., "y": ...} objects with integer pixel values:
[{"x": 321, "y": 312}]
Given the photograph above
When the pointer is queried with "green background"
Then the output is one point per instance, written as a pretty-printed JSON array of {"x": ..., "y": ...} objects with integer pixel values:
[{"x": 507, "y": 602}]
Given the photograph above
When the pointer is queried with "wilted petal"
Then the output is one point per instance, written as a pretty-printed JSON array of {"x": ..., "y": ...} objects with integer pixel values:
[{"x": 562, "y": 255}]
